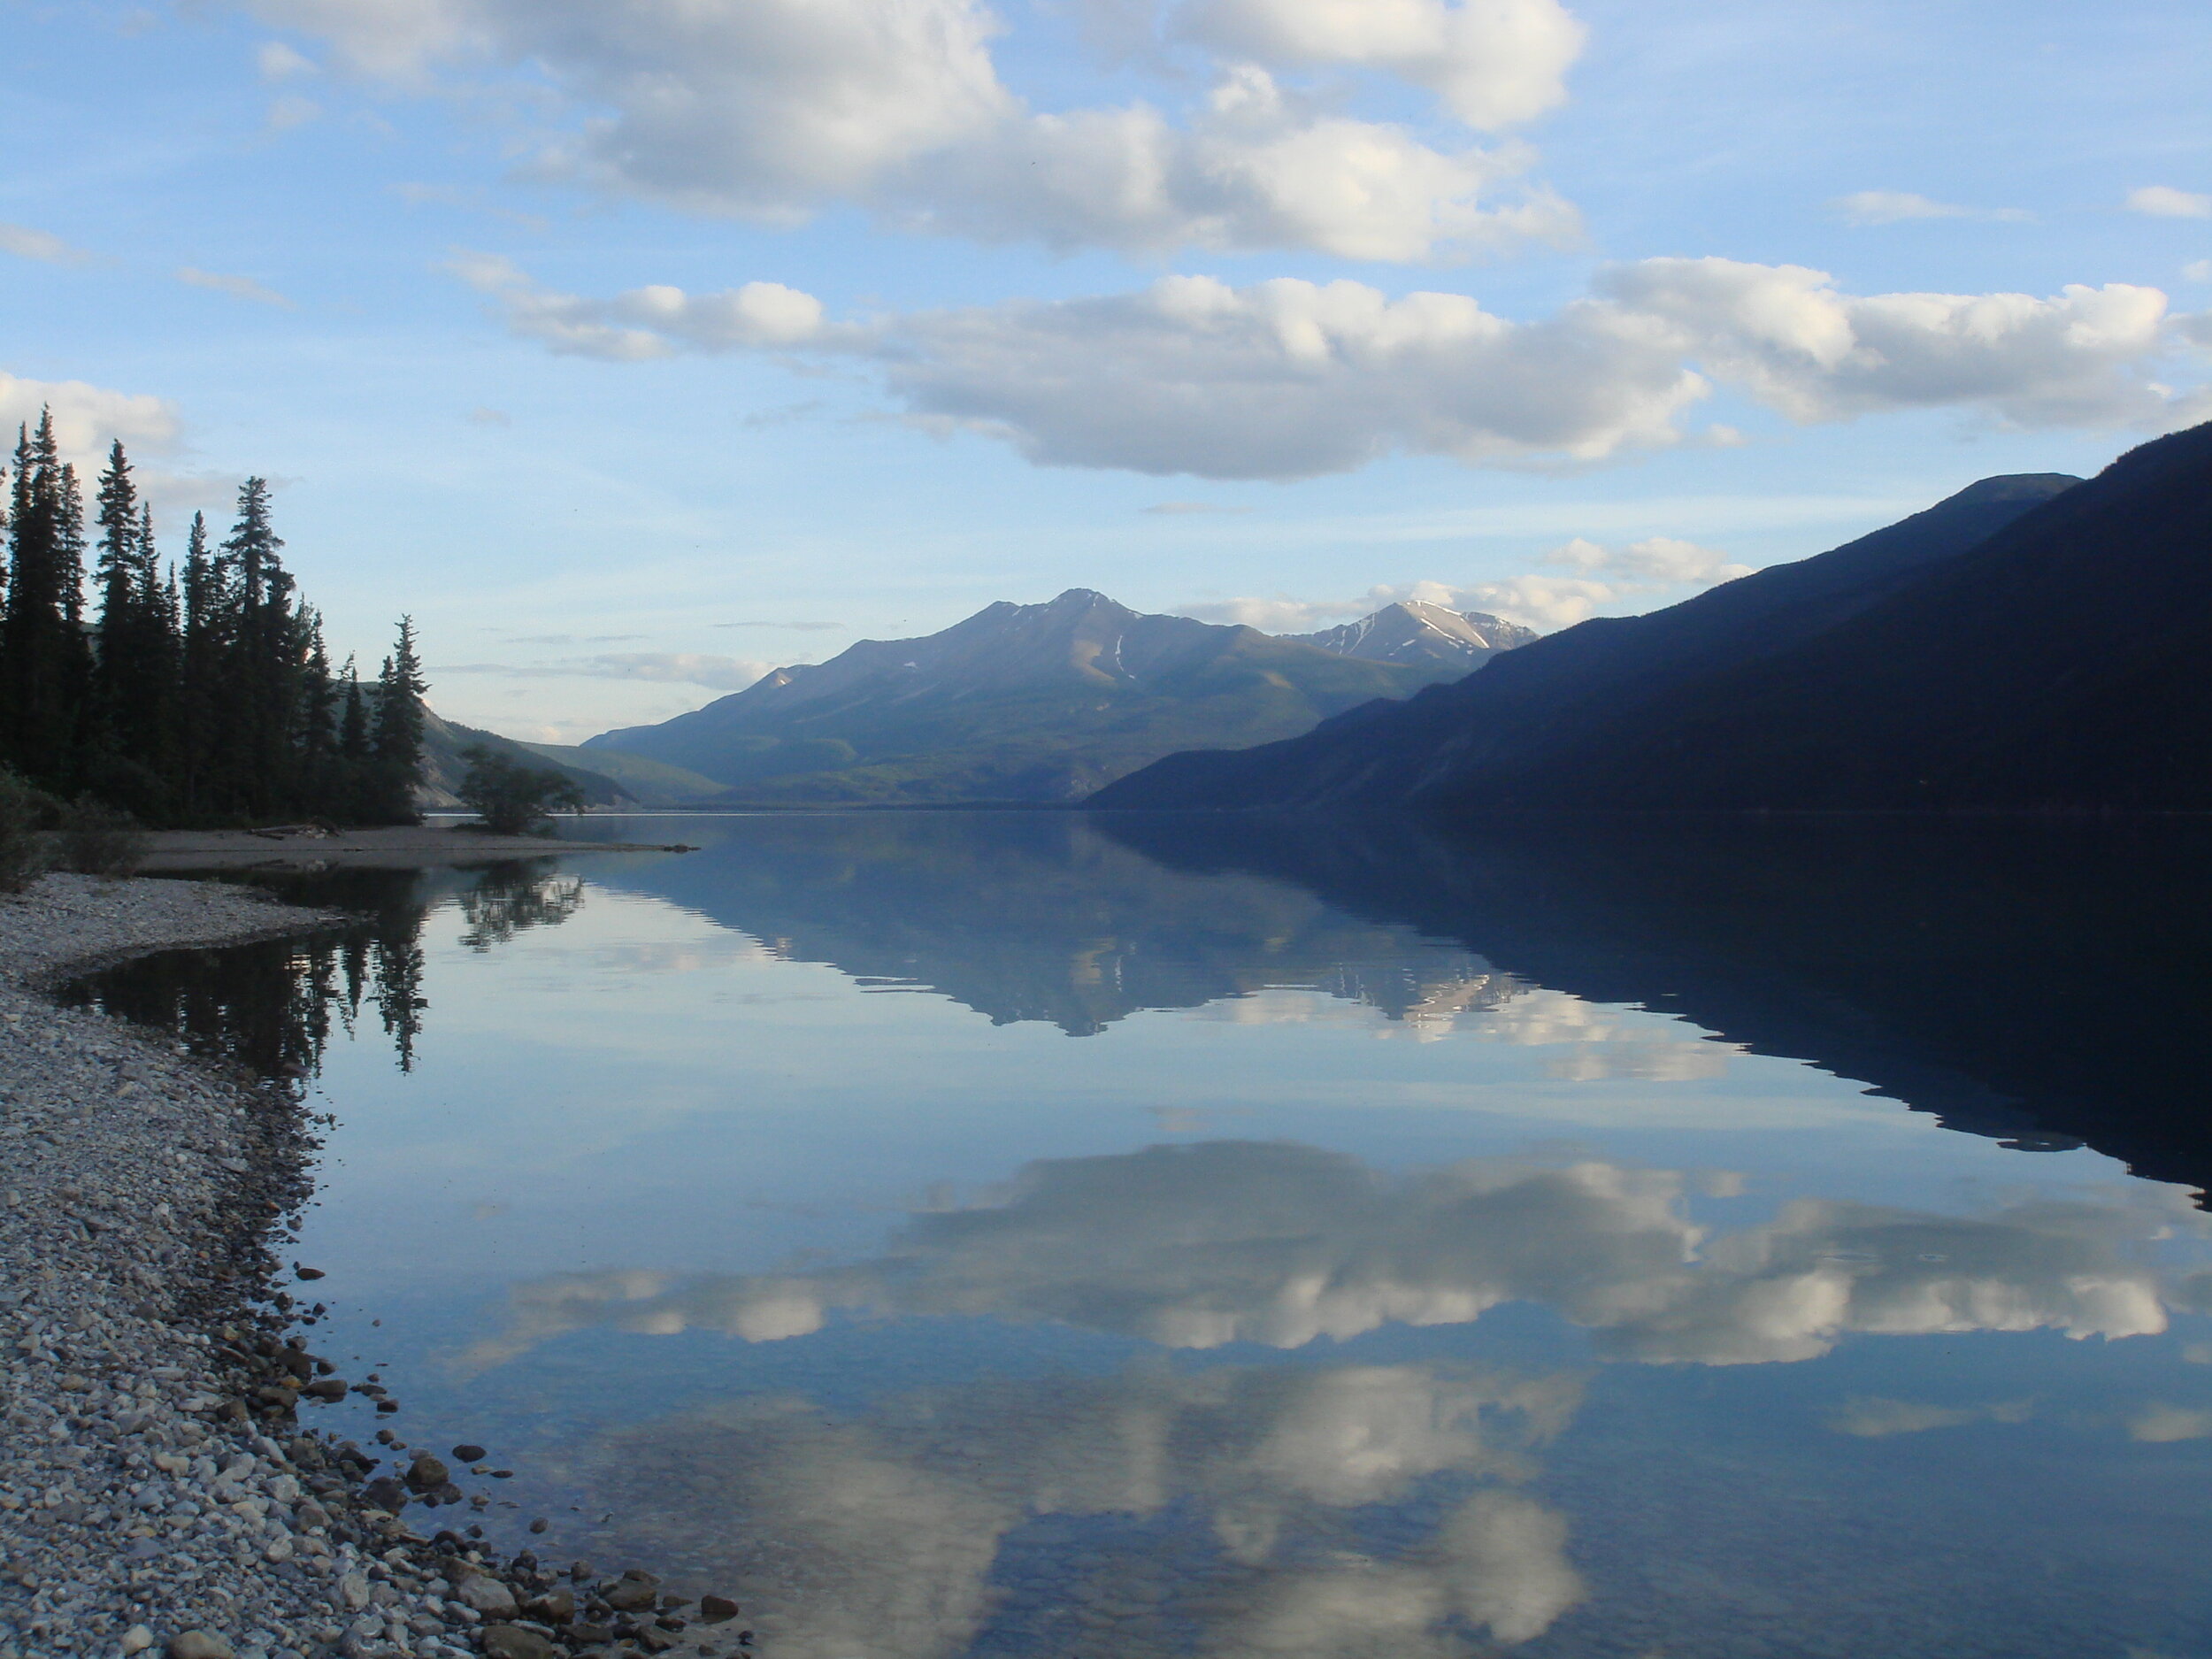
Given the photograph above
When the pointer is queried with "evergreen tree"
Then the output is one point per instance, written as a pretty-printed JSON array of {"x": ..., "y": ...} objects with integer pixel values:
[
  {"x": 353, "y": 722},
  {"x": 131, "y": 716},
  {"x": 202, "y": 649},
  {"x": 397, "y": 759},
  {"x": 44, "y": 658},
  {"x": 258, "y": 765},
  {"x": 118, "y": 565}
]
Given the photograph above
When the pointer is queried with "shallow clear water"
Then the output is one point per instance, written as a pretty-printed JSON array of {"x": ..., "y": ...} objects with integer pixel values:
[{"x": 1027, "y": 1234}]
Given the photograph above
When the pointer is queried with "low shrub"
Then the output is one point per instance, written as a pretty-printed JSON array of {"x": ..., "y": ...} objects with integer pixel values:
[
  {"x": 514, "y": 798},
  {"x": 25, "y": 811},
  {"x": 97, "y": 840}
]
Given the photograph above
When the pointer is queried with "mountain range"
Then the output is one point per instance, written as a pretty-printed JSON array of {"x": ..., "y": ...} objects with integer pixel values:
[
  {"x": 1927, "y": 664},
  {"x": 1036, "y": 705}
]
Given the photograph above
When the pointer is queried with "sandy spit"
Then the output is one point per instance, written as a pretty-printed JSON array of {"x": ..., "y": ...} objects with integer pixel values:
[{"x": 406, "y": 847}]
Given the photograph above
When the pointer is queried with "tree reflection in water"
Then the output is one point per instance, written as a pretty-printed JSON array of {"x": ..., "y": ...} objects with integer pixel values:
[
  {"x": 272, "y": 1005},
  {"x": 509, "y": 898}
]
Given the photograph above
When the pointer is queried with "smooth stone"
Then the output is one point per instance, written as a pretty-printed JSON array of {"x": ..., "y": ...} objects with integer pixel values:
[
  {"x": 488, "y": 1596},
  {"x": 510, "y": 1641},
  {"x": 555, "y": 1607},
  {"x": 468, "y": 1453},
  {"x": 200, "y": 1644},
  {"x": 427, "y": 1473}
]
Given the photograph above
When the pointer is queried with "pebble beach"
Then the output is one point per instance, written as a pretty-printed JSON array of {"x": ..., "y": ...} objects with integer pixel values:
[{"x": 161, "y": 1489}]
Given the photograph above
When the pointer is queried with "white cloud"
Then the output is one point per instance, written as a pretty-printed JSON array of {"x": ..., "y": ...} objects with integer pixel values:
[
  {"x": 87, "y": 419},
  {"x": 2161, "y": 201},
  {"x": 1279, "y": 615},
  {"x": 291, "y": 111},
  {"x": 1891, "y": 207},
  {"x": 1787, "y": 336},
  {"x": 1250, "y": 170},
  {"x": 1657, "y": 559},
  {"x": 2197, "y": 271},
  {"x": 1493, "y": 62},
  {"x": 26, "y": 243},
  {"x": 1287, "y": 377},
  {"x": 237, "y": 287},
  {"x": 1608, "y": 577},
  {"x": 692, "y": 668},
  {"x": 650, "y": 322},
  {"x": 1542, "y": 601},
  {"x": 681, "y": 668},
  {"x": 276, "y": 61},
  {"x": 774, "y": 108}
]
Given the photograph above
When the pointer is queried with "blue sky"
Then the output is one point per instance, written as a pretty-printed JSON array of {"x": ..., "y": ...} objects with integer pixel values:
[{"x": 634, "y": 345}]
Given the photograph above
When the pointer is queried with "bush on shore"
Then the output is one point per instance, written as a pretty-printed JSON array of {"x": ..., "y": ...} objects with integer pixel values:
[
  {"x": 97, "y": 840},
  {"x": 26, "y": 813},
  {"x": 513, "y": 798}
]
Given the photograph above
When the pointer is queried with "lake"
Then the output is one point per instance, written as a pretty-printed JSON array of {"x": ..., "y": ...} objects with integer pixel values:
[{"x": 1040, "y": 1235}]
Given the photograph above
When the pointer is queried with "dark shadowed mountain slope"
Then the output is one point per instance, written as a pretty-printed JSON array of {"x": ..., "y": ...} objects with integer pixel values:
[
  {"x": 1034, "y": 703},
  {"x": 2060, "y": 664},
  {"x": 1524, "y": 702},
  {"x": 1414, "y": 631}
]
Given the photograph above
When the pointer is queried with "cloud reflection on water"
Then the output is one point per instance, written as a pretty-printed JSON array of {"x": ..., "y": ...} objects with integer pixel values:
[
  {"x": 1197, "y": 1247},
  {"x": 1360, "y": 1510},
  {"x": 901, "y": 1532}
]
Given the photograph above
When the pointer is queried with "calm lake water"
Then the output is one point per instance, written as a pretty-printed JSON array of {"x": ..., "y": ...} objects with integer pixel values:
[{"x": 1030, "y": 1235}]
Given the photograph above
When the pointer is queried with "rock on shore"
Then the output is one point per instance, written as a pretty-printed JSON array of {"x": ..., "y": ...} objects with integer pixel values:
[{"x": 158, "y": 1493}]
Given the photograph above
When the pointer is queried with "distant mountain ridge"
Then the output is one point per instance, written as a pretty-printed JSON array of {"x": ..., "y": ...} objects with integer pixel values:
[
  {"x": 1415, "y": 631},
  {"x": 1524, "y": 708},
  {"x": 1017, "y": 703}
]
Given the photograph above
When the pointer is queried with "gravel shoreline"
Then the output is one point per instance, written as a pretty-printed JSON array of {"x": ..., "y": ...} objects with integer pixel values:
[{"x": 157, "y": 1492}]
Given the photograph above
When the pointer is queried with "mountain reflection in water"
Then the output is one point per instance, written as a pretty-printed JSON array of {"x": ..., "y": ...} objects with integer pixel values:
[
  {"x": 2037, "y": 982},
  {"x": 754, "y": 1200}
]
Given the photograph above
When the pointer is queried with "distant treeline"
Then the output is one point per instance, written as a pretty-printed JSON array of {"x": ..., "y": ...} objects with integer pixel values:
[{"x": 194, "y": 694}]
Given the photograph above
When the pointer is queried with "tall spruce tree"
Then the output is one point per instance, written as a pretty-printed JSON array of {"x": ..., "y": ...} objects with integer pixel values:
[
  {"x": 259, "y": 766},
  {"x": 397, "y": 760},
  {"x": 44, "y": 662},
  {"x": 132, "y": 716},
  {"x": 202, "y": 650}
]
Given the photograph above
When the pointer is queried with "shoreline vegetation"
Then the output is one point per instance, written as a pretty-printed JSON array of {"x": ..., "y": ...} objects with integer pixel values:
[
  {"x": 159, "y": 1491},
  {"x": 199, "y": 693}
]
